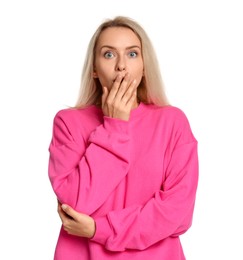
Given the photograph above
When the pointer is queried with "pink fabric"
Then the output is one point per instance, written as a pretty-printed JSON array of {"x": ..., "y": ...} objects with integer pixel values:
[{"x": 137, "y": 179}]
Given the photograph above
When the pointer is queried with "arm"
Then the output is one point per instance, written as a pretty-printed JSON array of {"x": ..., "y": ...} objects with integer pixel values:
[
  {"x": 168, "y": 213},
  {"x": 78, "y": 174}
]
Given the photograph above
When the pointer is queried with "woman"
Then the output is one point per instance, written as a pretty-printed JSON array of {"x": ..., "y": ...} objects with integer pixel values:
[{"x": 123, "y": 162}]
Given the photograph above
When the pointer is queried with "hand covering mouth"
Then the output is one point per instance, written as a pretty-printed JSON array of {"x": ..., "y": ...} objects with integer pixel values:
[{"x": 123, "y": 76}]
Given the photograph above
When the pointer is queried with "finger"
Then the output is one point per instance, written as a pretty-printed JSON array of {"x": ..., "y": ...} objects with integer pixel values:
[
  {"x": 69, "y": 211},
  {"x": 60, "y": 210},
  {"x": 132, "y": 99},
  {"x": 63, "y": 216},
  {"x": 130, "y": 92},
  {"x": 114, "y": 89},
  {"x": 123, "y": 87}
]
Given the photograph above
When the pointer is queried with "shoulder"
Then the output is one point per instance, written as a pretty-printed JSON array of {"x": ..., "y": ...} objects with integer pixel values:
[
  {"x": 77, "y": 119},
  {"x": 173, "y": 120},
  {"x": 169, "y": 113},
  {"x": 172, "y": 111},
  {"x": 71, "y": 115},
  {"x": 76, "y": 112},
  {"x": 77, "y": 123},
  {"x": 176, "y": 115}
]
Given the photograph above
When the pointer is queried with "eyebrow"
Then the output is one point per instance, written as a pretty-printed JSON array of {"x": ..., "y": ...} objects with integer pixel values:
[{"x": 112, "y": 47}]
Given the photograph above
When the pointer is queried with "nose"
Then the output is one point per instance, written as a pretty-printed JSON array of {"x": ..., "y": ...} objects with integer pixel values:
[{"x": 121, "y": 64}]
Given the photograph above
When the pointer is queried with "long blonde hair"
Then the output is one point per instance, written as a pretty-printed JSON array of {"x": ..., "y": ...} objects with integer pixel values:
[{"x": 151, "y": 88}]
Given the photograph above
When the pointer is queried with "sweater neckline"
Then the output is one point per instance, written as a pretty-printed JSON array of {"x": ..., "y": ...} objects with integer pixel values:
[
  {"x": 134, "y": 113},
  {"x": 138, "y": 110}
]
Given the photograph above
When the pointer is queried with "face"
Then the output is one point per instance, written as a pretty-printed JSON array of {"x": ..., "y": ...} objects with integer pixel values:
[{"x": 118, "y": 52}]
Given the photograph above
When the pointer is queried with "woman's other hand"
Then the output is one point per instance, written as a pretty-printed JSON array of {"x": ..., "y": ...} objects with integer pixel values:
[{"x": 75, "y": 223}]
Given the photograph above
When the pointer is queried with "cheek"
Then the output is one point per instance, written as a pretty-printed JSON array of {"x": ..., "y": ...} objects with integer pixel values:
[
  {"x": 139, "y": 72},
  {"x": 104, "y": 77},
  {"x": 103, "y": 69},
  {"x": 139, "y": 68}
]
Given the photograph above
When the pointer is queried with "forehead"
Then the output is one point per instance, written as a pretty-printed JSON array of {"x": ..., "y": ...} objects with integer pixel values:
[{"x": 119, "y": 37}]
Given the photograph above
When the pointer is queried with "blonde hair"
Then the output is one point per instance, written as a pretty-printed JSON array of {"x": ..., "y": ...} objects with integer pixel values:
[{"x": 151, "y": 88}]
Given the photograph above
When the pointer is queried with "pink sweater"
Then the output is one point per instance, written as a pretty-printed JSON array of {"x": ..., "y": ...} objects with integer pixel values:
[{"x": 137, "y": 179}]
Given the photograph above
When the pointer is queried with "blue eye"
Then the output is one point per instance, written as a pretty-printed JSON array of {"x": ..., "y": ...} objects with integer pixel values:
[
  {"x": 108, "y": 55},
  {"x": 133, "y": 54}
]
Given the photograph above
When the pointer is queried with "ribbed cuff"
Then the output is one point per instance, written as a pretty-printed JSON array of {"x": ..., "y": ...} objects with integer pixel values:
[{"x": 116, "y": 125}]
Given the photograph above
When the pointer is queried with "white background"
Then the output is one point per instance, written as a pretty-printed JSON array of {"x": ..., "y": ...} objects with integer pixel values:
[{"x": 200, "y": 48}]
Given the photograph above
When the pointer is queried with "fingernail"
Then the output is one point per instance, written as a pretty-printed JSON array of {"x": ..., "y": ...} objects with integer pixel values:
[{"x": 64, "y": 206}]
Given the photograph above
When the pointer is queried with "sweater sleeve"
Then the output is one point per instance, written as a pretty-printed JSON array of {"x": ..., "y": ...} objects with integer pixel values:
[
  {"x": 79, "y": 171},
  {"x": 168, "y": 213}
]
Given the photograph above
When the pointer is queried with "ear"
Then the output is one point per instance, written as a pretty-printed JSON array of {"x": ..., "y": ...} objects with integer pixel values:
[{"x": 95, "y": 76}]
